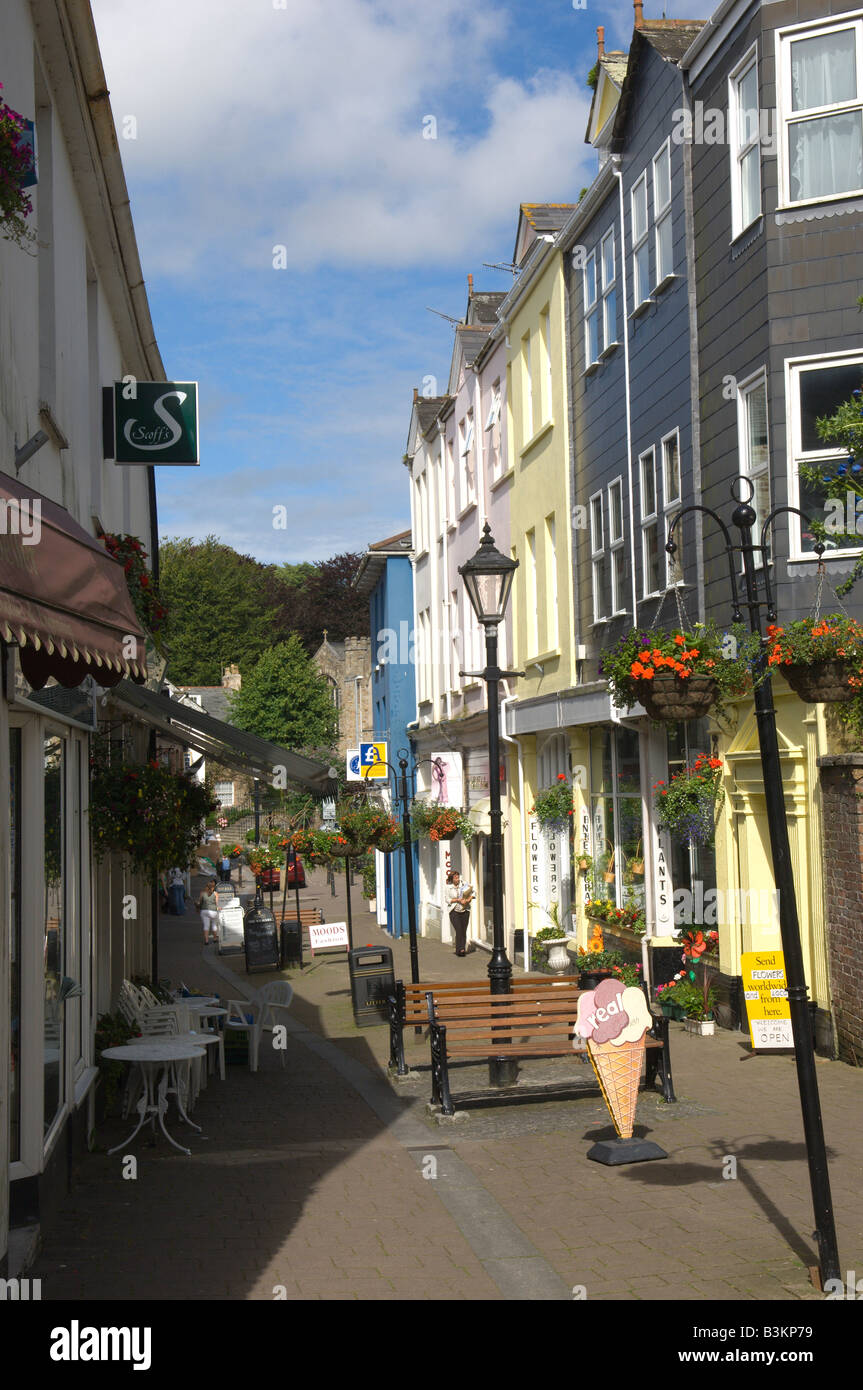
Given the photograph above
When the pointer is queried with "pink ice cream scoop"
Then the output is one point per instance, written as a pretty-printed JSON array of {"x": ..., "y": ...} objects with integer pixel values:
[{"x": 601, "y": 1015}]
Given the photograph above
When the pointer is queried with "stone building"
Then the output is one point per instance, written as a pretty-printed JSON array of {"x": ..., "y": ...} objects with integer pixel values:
[{"x": 347, "y": 668}]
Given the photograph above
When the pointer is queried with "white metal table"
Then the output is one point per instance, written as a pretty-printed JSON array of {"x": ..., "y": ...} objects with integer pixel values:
[{"x": 160, "y": 1055}]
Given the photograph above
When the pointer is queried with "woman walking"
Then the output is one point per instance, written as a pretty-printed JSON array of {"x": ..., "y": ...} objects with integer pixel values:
[
  {"x": 458, "y": 896},
  {"x": 208, "y": 906}
]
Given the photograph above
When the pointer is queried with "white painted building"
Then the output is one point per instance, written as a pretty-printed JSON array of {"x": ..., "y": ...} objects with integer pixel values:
[{"x": 73, "y": 319}]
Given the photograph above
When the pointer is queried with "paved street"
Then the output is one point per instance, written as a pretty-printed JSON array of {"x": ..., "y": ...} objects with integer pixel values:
[{"x": 322, "y": 1180}]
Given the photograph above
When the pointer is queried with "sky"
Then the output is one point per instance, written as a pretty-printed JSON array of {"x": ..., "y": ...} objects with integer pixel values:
[{"x": 296, "y": 131}]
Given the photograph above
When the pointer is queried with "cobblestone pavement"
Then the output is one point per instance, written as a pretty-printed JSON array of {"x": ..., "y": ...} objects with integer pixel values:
[{"x": 324, "y": 1180}]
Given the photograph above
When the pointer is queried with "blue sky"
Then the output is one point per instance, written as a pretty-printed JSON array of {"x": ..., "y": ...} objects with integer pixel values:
[{"x": 256, "y": 127}]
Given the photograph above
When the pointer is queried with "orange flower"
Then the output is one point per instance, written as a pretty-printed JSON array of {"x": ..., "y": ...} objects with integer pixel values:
[
  {"x": 636, "y": 669},
  {"x": 648, "y": 674},
  {"x": 680, "y": 640}
]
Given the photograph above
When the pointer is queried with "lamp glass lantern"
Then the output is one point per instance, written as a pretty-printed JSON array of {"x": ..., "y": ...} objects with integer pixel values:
[{"x": 488, "y": 577}]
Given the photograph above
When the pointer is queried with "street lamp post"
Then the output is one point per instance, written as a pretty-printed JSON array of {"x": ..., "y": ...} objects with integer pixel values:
[
  {"x": 488, "y": 578},
  {"x": 744, "y": 518}
]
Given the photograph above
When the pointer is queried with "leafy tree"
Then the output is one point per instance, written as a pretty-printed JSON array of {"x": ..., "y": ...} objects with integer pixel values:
[
  {"x": 327, "y": 599},
  {"x": 284, "y": 699},
  {"x": 218, "y": 609}
]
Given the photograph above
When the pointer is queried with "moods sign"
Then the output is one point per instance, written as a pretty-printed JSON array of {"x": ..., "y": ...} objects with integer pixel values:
[{"x": 156, "y": 421}]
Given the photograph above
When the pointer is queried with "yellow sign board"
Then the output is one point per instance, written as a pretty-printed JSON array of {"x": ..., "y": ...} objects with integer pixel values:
[
  {"x": 765, "y": 990},
  {"x": 373, "y": 761}
]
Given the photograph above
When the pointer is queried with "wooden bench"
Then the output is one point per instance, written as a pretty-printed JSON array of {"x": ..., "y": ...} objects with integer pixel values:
[
  {"x": 409, "y": 1006},
  {"x": 509, "y": 1028}
]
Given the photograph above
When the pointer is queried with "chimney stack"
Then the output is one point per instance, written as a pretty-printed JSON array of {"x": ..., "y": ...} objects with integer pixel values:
[
  {"x": 470, "y": 287},
  {"x": 600, "y": 43},
  {"x": 638, "y": 6},
  {"x": 416, "y": 395}
]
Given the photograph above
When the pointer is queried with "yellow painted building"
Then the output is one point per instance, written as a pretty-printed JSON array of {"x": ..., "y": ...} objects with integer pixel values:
[{"x": 537, "y": 425}]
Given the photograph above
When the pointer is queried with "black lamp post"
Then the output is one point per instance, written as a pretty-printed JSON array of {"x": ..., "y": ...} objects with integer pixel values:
[
  {"x": 744, "y": 518},
  {"x": 488, "y": 578}
]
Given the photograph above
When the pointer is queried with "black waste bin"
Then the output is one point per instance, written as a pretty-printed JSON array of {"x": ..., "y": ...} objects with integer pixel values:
[
  {"x": 372, "y": 983},
  {"x": 292, "y": 942}
]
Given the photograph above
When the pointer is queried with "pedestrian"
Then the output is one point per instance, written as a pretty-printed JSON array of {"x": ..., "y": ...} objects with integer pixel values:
[
  {"x": 458, "y": 896},
  {"x": 225, "y": 869},
  {"x": 208, "y": 906},
  {"x": 177, "y": 892}
]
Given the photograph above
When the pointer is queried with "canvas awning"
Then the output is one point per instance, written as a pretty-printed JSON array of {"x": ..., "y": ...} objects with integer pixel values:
[
  {"x": 219, "y": 741},
  {"x": 63, "y": 599}
]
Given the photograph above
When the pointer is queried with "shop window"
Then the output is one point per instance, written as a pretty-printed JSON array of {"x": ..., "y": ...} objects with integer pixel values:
[
  {"x": 616, "y": 816},
  {"x": 54, "y": 952},
  {"x": 693, "y": 867}
]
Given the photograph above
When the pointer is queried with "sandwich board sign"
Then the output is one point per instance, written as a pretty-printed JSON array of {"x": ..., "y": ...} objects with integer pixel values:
[
  {"x": 156, "y": 421},
  {"x": 323, "y": 935},
  {"x": 765, "y": 990}
]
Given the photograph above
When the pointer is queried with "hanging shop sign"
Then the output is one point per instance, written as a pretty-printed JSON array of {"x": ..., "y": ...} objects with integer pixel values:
[
  {"x": 373, "y": 762},
  {"x": 446, "y": 778},
  {"x": 156, "y": 422},
  {"x": 765, "y": 990}
]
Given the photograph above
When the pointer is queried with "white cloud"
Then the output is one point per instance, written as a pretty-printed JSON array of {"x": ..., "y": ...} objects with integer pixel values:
[{"x": 303, "y": 127}]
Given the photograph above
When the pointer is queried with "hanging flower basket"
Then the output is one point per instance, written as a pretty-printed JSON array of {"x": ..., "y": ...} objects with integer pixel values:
[
  {"x": 679, "y": 675},
  {"x": 688, "y": 805},
  {"x": 440, "y": 822},
  {"x": 553, "y": 805},
  {"x": 825, "y": 683},
  {"x": 151, "y": 816},
  {"x": 821, "y": 659}
]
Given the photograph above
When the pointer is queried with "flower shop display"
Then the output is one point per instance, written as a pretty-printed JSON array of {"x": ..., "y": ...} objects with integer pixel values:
[
  {"x": 553, "y": 805},
  {"x": 365, "y": 827},
  {"x": 145, "y": 812},
  {"x": 821, "y": 659},
  {"x": 149, "y": 608},
  {"x": 16, "y": 163},
  {"x": 439, "y": 822},
  {"x": 630, "y": 916},
  {"x": 688, "y": 805},
  {"x": 594, "y": 966},
  {"x": 679, "y": 675}
]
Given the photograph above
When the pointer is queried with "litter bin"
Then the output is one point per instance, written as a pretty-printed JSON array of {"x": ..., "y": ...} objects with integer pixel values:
[{"x": 372, "y": 983}]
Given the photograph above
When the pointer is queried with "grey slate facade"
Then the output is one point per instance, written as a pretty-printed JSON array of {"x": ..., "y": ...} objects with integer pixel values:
[{"x": 776, "y": 296}]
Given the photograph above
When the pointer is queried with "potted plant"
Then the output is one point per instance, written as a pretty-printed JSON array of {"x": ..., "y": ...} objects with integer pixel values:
[
  {"x": 636, "y": 864},
  {"x": 553, "y": 805},
  {"x": 667, "y": 997},
  {"x": 112, "y": 1030},
  {"x": 595, "y": 966},
  {"x": 439, "y": 822},
  {"x": 554, "y": 940},
  {"x": 16, "y": 164},
  {"x": 687, "y": 806},
  {"x": 679, "y": 675},
  {"x": 370, "y": 886},
  {"x": 584, "y": 863},
  {"x": 822, "y": 660}
]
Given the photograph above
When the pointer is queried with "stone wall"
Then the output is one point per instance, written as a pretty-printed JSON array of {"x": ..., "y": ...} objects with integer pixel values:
[{"x": 842, "y": 801}]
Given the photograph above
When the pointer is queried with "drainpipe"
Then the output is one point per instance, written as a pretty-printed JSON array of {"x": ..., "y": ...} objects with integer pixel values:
[
  {"x": 445, "y": 606},
  {"x": 516, "y": 742},
  {"x": 623, "y": 263}
]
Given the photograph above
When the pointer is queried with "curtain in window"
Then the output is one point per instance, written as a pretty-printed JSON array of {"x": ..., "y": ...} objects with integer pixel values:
[{"x": 825, "y": 154}]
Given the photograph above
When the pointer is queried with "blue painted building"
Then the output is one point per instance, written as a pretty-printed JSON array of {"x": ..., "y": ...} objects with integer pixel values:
[{"x": 386, "y": 576}]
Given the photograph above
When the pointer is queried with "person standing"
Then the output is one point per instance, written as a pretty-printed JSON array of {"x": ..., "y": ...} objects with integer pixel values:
[
  {"x": 458, "y": 896},
  {"x": 208, "y": 906},
  {"x": 177, "y": 892},
  {"x": 225, "y": 869}
]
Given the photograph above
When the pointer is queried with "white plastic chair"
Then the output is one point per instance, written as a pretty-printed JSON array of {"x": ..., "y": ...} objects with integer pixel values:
[{"x": 263, "y": 1007}]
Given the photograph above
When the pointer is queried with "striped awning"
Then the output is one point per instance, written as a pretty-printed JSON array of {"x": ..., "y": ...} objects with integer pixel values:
[{"x": 64, "y": 600}]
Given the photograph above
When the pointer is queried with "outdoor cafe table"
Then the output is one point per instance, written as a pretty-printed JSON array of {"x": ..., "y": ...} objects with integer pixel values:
[{"x": 160, "y": 1055}]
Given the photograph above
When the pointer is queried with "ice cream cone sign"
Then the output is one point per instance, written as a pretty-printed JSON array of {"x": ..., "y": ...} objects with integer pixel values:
[{"x": 614, "y": 1020}]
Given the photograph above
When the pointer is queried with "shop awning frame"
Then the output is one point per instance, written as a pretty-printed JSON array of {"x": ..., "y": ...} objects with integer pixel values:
[{"x": 220, "y": 741}]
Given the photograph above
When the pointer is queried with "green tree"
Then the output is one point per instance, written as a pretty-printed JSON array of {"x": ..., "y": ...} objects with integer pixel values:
[
  {"x": 286, "y": 700},
  {"x": 218, "y": 609}
]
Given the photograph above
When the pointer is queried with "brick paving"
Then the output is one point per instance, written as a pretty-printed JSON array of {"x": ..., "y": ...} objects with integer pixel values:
[{"x": 324, "y": 1181}]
